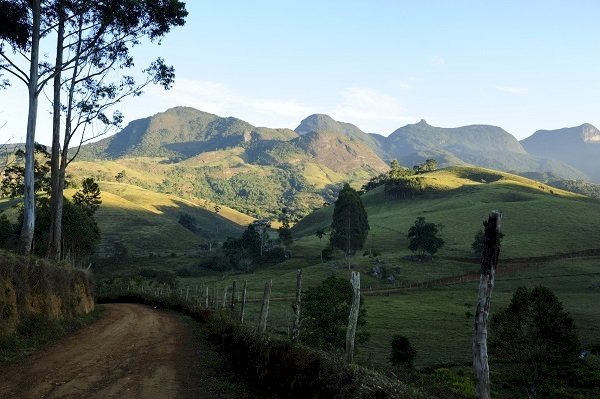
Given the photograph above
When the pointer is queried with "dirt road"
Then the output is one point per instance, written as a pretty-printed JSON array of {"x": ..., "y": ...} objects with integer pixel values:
[{"x": 133, "y": 351}]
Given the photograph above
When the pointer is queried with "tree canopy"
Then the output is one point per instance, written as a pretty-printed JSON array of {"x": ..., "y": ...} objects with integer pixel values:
[
  {"x": 537, "y": 337},
  {"x": 324, "y": 316},
  {"x": 423, "y": 237},
  {"x": 350, "y": 225}
]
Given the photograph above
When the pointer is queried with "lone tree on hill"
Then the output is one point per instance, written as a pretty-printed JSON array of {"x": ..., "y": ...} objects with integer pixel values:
[
  {"x": 424, "y": 238},
  {"x": 350, "y": 226},
  {"x": 538, "y": 338}
]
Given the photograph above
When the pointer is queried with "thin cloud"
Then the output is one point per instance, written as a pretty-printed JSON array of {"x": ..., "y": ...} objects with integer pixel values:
[{"x": 438, "y": 60}]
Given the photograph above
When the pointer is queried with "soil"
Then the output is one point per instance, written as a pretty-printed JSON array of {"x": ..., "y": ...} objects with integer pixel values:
[{"x": 133, "y": 351}]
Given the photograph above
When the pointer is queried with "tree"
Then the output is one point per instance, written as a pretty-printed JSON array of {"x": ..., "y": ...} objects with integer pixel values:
[
  {"x": 98, "y": 38},
  {"x": 320, "y": 233},
  {"x": 423, "y": 237},
  {"x": 13, "y": 176},
  {"x": 403, "y": 353},
  {"x": 350, "y": 226},
  {"x": 536, "y": 337},
  {"x": 284, "y": 232},
  {"x": 88, "y": 198},
  {"x": 324, "y": 316},
  {"x": 28, "y": 19},
  {"x": 189, "y": 222},
  {"x": 120, "y": 177}
]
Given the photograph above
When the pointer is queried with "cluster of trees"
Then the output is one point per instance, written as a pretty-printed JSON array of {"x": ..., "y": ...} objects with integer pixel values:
[
  {"x": 400, "y": 182},
  {"x": 93, "y": 42}
]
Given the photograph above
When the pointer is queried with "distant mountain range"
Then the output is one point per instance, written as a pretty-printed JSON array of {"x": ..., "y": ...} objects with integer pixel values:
[
  {"x": 577, "y": 146},
  {"x": 258, "y": 170}
]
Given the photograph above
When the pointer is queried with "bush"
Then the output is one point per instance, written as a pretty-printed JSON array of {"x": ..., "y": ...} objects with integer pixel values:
[{"x": 402, "y": 354}]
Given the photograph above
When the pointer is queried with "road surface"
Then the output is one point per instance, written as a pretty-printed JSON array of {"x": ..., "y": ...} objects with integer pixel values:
[{"x": 133, "y": 351}]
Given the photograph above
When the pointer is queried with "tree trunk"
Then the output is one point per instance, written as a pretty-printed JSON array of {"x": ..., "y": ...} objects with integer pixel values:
[
  {"x": 264, "y": 309},
  {"x": 232, "y": 302},
  {"x": 491, "y": 252},
  {"x": 243, "y": 307},
  {"x": 56, "y": 202},
  {"x": 296, "y": 307},
  {"x": 28, "y": 228},
  {"x": 353, "y": 317}
]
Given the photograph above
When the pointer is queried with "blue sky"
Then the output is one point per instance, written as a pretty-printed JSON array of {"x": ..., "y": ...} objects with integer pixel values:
[{"x": 521, "y": 65}]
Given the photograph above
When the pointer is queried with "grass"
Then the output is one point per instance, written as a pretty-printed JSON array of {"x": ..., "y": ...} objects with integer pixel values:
[{"x": 38, "y": 332}]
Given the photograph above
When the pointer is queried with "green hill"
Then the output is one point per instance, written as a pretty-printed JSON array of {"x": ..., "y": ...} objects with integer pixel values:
[
  {"x": 146, "y": 222},
  {"x": 538, "y": 219}
]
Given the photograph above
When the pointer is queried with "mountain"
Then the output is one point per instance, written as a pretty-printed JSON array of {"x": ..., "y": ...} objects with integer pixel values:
[
  {"x": 256, "y": 170},
  {"x": 482, "y": 145},
  {"x": 578, "y": 146},
  {"x": 180, "y": 132}
]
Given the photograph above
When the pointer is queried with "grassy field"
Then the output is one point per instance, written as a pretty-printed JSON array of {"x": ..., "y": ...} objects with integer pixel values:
[{"x": 537, "y": 221}]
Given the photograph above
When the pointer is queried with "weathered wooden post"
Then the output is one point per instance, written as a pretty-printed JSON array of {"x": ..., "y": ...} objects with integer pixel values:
[
  {"x": 243, "y": 307},
  {"x": 264, "y": 309},
  {"x": 491, "y": 253},
  {"x": 353, "y": 317},
  {"x": 187, "y": 293},
  {"x": 206, "y": 297},
  {"x": 225, "y": 297},
  {"x": 232, "y": 303},
  {"x": 296, "y": 307}
]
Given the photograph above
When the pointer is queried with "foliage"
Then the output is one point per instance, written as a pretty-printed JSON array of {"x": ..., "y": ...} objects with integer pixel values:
[
  {"x": 423, "y": 237},
  {"x": 188, "y": 221},
  {"x": 13, "y": 175},
  {"x": 7, "y": 231},
  {"x": 428, "y": 166},
  {"x": 349, "y": 227},
  {"x": 324, "y": 316},
  {"x": 120, "y": 177},
  {"x": 537, "y": 337},
  {"x": 88, "y": 198},
  {"x": 81, "y": 234},
  {"x": 403, "y": 353},
  {"x": 403, "y": 187}
]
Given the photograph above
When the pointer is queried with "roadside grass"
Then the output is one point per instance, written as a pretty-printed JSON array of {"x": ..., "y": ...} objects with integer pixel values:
[{"x": 37, "y": 332}]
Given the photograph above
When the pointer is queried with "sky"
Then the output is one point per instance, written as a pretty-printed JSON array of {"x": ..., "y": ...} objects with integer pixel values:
[{"x": 521, "y": 65}]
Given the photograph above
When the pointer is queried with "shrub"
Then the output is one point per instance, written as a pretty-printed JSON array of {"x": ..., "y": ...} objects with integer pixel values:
[{"x": 402, "y": 354}]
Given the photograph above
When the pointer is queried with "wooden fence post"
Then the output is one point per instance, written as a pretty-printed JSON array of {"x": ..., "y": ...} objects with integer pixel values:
[
  {"x": 264, "y": 309},
  {"x": 206, "y": 297},
  {"x": 225, "y": 297},
  {"x": 243, "y": 307},
  {"x": 296, "y": 307},
  {"x": 491, "y": 253},
  {"x": 232, "y": 303},
  {"x": 353, "y": 317}
]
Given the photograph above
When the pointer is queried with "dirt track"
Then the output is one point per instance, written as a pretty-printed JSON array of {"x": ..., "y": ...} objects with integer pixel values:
[{"x": 133, "y": 351}]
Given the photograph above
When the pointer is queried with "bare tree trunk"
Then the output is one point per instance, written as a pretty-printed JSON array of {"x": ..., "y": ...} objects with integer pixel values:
[
  {"x": 232, "y": 303},
  {"x": 56, "y": 203},
  {"x": 296, "y": 307},
  {"x": 353, "y": 317},
  {"x": 28, "y": 228},
  {"x": 264, "y": 309},
  {"x": 491, "y": 252},
  {"x": 243, "y": 307}
]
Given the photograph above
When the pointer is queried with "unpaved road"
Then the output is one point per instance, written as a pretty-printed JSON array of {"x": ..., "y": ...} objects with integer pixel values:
[{"x": 133, "y": 351}]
